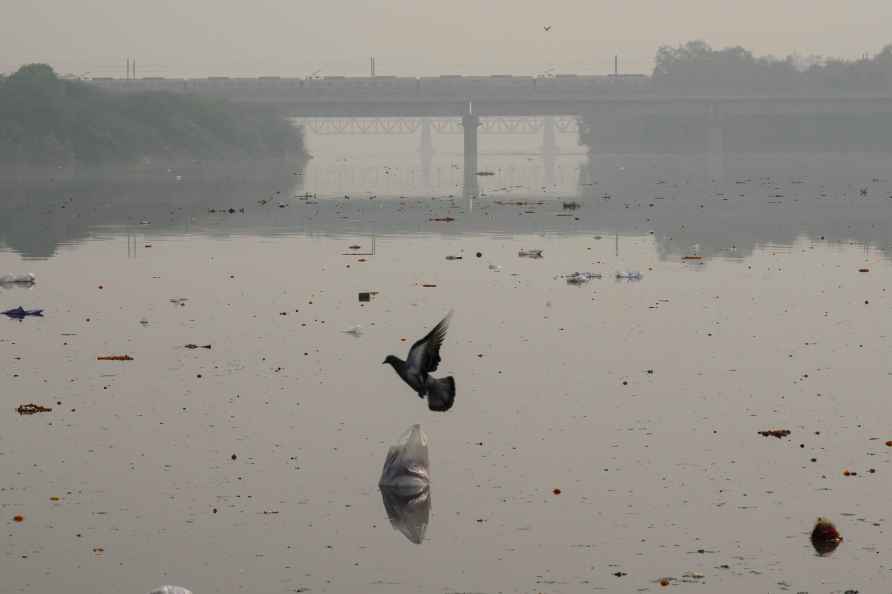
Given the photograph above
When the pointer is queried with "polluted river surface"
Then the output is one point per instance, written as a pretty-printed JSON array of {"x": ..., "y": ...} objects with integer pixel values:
[{"x": 605, "y": 433}]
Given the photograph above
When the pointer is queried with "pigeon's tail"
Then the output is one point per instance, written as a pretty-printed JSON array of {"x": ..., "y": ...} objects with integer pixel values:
[{"x": 440, "y": 393}]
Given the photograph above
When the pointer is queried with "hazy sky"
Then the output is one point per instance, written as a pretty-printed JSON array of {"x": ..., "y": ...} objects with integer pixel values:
[{"x": 416, "y": 37}]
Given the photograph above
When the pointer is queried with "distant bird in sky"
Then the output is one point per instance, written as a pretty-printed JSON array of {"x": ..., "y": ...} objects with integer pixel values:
[
  {"x": 423, "y": 358},
  {"x": 547, "y": 27}
]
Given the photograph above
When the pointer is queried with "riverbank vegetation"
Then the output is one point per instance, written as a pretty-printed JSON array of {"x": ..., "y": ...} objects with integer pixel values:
[
  {"x": 48, "y": 120},
  {"x": 696, "y": 67}
]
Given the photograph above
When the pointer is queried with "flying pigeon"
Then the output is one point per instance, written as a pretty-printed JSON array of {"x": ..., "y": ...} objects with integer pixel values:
[
  {"x": 423, "y": 358},
  {"x": 547, "y": 28}
]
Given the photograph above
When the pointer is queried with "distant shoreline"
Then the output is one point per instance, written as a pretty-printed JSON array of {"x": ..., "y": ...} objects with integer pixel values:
[{"x": 48, "y": 121}]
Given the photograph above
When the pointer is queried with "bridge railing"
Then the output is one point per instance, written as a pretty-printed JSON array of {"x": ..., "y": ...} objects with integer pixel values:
[{"x": 368, "y": 88}]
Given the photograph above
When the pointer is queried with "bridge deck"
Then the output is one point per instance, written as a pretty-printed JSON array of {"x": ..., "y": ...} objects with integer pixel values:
[{"x": 487, "y": 96}]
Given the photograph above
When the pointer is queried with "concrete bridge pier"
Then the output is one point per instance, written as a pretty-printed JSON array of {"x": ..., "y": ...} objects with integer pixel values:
[
  {"x": 470, "y": 122},
  {"x": 426, "y": 151},
  {"x": 549, "y": 149}
]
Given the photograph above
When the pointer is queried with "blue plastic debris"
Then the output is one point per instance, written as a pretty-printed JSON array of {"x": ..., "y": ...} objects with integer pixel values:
[{"x": 21, "y": 313}]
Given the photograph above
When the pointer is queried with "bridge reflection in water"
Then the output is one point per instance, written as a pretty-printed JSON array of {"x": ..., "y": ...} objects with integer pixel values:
[
  {"x": 426, "y": 127},
  {"x": 488, "y": 125},
  {"x": 606, "y": 103}
]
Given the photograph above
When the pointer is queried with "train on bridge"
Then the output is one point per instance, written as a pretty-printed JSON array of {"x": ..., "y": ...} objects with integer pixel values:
[{"x": 440, "y": 87}]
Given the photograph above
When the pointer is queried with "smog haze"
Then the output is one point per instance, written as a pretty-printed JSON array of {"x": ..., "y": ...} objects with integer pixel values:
[{"x": 410, "y": 38}]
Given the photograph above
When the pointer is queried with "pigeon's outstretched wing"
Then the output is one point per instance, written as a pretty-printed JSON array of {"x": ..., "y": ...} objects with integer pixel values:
[{"x": 424, "y": 356}]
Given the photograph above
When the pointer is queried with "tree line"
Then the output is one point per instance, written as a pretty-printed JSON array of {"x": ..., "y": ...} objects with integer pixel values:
[
  {"x": 697, "y": 67},
  {"x": 45, "y": 119}
]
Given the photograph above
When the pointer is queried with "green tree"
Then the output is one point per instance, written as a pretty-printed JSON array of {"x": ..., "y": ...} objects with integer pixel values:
[{"x": 45, "y": 119}]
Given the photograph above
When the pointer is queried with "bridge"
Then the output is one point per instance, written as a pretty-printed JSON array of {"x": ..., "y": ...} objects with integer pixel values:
[{"x": 550, "y": 100}]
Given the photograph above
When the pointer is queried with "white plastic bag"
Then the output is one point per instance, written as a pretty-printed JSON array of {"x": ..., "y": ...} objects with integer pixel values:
[
  {"x": 407, "y": 465},
  {"x": 409, "y": 513}
]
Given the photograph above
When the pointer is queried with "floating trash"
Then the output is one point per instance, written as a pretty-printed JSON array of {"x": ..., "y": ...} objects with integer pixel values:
[
  {"x": 18, "y": 279},
  {"x": 355, "y": 331},
  {"x": 20, "y": 313},
  {"x": 530, "y": 254},
  {"x": 405, "y": 484},
  {"x": 31, "y": 409},
  {"x": 170, "y": 590},
  {"x": 778, "y": 433},
  {"x": 581, "y": 278},
  {"x": 406, "y": 466},
  {"x": 409, "y": 513},
  {"x": 825, "y": 538},
  {"x": 629, "y": 275}
]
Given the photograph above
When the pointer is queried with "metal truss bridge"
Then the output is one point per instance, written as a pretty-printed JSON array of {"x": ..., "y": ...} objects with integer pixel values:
[{"x": 328, "y": 126}]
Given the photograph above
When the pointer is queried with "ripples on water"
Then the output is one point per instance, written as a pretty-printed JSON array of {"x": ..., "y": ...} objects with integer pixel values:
[{"x": 251, "y": 466}]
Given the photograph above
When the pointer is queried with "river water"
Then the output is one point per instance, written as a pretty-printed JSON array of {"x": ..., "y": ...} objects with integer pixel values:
[{"x": 604, "y": 436}]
